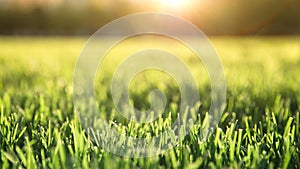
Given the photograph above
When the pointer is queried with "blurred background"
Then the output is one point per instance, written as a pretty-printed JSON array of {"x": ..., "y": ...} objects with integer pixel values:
[{"x": 214, "y": 17}]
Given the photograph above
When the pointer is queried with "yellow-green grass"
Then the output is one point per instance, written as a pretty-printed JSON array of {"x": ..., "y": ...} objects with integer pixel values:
[{"x": 259, "y": 127}]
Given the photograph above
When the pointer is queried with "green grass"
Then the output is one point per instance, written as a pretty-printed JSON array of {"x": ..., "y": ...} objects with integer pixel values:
[{"x": 259, "y": 128}]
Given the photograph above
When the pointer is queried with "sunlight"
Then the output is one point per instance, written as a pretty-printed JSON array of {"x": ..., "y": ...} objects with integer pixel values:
[{"x": 174, "y": 3}]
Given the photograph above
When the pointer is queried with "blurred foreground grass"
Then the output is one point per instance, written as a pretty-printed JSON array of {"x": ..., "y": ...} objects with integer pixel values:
[{"x": 259, "y": 128}]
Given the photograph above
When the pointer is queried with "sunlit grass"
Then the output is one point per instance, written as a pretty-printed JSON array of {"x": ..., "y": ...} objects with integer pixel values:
[{"x": 259, "y": 128}]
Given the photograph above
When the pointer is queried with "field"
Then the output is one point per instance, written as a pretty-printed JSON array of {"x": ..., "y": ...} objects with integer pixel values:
[{"x": 258, "y": 129}]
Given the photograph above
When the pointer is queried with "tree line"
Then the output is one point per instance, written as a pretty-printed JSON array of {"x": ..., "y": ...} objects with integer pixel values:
[{"x": 228, "y": 17}]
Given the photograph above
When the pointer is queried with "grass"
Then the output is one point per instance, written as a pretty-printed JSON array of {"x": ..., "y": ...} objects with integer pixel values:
[{"x": 259, "y": 128}]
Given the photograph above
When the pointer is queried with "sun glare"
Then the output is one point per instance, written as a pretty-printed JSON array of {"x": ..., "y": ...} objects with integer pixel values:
[{"x": 174, "y": 3}]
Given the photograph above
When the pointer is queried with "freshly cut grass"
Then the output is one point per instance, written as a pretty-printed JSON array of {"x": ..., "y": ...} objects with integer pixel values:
[{"x": 259, "y": 128}]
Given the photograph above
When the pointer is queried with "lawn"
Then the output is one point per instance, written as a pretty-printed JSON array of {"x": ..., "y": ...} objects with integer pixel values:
[{"x": 259, "y": 128}]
